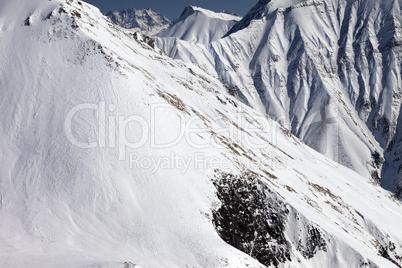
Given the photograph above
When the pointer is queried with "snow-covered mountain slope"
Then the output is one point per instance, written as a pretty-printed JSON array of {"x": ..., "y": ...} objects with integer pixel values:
[
  {"x": 329, "y": 71},
  {"x": 145, "y": 20},
  {"x": 114, "y": 155},
  {"x": 198, "y": 25}
]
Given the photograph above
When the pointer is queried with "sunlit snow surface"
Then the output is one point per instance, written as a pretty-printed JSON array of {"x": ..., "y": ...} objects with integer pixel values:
[
  {"x": 66, "y": 206},
  {"x": 329, "y": 71}
]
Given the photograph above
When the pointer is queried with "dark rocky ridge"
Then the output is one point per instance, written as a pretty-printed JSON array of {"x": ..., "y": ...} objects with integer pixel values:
[{"x": 253, "y": 219}]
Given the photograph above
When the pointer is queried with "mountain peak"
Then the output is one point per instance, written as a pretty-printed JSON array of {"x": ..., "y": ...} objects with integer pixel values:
[
  {"x": 200, "y": 25},
  {"x": 190, "y": 10},
  {"x": 262, "y": 9},
  {"x": 142, "y": 19}
]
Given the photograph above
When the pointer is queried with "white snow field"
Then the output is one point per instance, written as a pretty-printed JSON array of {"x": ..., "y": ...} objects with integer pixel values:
[
  {"x": 198, "y": 25},
  {"x": 88, "y": 177},
  {"x": 328, "y": 70}
]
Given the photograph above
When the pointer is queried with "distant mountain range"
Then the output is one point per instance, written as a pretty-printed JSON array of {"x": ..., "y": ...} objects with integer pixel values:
[
  {"x": 139, "y": 19},
  {"x": 276, "y": 61},
  {"x": 329, "y": 71}
]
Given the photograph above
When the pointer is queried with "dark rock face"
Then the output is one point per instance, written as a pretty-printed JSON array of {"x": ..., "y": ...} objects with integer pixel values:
[
  {"x": 257, "y": 12},
  {"x": 383, "y": 251},
  {"x": 314, "y": 242},
  {"x": 252, "y": 219},
  {"x": 187, "y": 12}
]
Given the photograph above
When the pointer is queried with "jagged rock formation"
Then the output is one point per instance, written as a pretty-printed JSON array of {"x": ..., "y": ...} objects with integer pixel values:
[
  {"x": 258, "y": 221},
  {"x": 251, "y": 219}
]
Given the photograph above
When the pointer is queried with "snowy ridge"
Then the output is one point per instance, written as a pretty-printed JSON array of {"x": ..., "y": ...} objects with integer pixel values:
[
  {"x": 64, "y": 205},
  {"x": 211, "y": 14},
  {"x": 200, "y": 26},
  {"x": 329, "y": 71},
  {"x": 265, "y": 7}
]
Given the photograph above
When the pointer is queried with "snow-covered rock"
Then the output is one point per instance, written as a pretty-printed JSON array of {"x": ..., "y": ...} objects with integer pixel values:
[
  {"x": 198, "y": 25},
  {"x": 114, "y": 155},
  {"x": 145, "y": 20}
]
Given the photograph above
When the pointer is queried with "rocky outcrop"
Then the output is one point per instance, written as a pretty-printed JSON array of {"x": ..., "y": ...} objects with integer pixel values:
[{"x": 253, "y": 219}]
